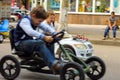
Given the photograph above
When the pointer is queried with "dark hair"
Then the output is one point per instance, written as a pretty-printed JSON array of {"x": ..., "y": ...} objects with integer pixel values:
[
  {"x": 39, "y": 12},
  {"x": 113, "y": 12}
]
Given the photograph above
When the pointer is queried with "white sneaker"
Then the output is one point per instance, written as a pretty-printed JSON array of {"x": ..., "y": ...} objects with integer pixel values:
[
  {"x": 104, "y": 38},
  {"x": 114, "y": 39}
]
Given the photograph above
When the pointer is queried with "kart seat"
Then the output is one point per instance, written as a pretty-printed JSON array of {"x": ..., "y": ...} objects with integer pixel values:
[{"x": 13, "y": 48}]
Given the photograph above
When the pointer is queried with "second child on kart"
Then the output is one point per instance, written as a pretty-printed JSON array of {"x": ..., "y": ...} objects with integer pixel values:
[
  {"x": 25, "y": 31},
  {"x": 49, "y": 21}
]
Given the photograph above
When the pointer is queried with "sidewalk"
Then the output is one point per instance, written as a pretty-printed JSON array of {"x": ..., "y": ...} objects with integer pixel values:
[{"x": 94, "y": 33}]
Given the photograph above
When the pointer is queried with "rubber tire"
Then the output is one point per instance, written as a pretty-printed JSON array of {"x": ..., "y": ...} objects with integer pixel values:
[
  {"x": 1, "y": 38},
  {"x": 68, "y": 48},
  {"x": 103, "y": 68},
  {"x": 72, "y": 65},
  {"x": 17, "y": 66}
]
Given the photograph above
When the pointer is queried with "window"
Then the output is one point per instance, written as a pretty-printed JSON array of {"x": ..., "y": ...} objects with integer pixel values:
[
  {"x": 116, "y": 6},
  {"x": 38, "y": 2},
  {"x": 33, "y": 1},
  {"x": 85, "y": 5},
  {"x": 53, "y": 4},
  {"x": 102, "y": 6},
  {"x": 72, "y": 5}
]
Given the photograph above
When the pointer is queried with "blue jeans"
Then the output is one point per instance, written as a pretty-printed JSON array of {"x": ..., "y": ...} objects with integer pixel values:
[
  {"x": 51, "y": 48},
  {"x": 107, "y": 31},
  {"x": 29, "y": 46}
]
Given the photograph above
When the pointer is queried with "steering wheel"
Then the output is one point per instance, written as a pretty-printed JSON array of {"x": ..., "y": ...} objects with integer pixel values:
[{"x": 58, "y": 36}]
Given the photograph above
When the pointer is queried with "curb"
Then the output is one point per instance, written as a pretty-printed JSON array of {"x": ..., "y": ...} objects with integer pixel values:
[{"x": 102, "y": 42}]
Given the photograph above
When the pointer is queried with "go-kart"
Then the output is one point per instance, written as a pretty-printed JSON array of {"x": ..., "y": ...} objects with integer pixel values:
[{"x": 74, "y": 67}]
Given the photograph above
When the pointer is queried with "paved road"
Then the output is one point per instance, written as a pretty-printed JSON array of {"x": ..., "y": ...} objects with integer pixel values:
[{"x": 110, "y": 54}]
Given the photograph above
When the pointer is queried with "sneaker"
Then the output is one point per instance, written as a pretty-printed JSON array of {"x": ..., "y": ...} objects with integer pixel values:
[
  {"x": 57, "y": 66},
  {"x": 104, "y": 38},
  {"x": 114, "y": 39},
  {"x": 108, "y": 37}
]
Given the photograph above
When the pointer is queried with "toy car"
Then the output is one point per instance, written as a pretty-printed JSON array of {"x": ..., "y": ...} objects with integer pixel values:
[
  {"x": 4, "y": 25},
  {"x": 82, "y": 48},
  {"x": 13, "y": 18},
  {"x": 4, "y": 29}
]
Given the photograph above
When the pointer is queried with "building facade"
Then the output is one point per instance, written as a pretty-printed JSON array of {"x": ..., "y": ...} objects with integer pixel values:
[
  {"x": 5, "y": 9},
  {"x": 83, "y": 11}
]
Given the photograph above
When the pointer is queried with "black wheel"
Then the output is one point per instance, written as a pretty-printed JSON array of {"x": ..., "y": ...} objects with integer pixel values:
[
  {"x": 62, "y": 55},
  {"x": 97, "y": 68},
  {"x": 1, "y": 38},
  {"x": 72, "y": 71},
  {"x": 9, "y": 67}
]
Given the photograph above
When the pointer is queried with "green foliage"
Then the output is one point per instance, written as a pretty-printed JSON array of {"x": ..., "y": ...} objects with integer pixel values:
[{"x": 103, "y": 6}]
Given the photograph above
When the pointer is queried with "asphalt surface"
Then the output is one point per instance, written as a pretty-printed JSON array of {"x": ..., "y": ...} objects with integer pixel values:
[{"x": 109, "y": 54}]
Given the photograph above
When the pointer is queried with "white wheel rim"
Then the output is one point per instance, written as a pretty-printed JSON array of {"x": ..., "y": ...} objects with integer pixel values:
[
  {"x": 63, "y": 58},
  {"x": 1, "y": 37}
]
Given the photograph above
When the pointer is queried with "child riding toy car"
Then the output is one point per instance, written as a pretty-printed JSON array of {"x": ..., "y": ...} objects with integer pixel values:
[{"x": 74, "y": 68}]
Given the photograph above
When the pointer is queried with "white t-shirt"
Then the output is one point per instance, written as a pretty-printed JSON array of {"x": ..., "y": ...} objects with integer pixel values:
[{"x": 44, "y": 23}]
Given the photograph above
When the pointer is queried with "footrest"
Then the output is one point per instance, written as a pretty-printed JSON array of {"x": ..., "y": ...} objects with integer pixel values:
[{"x": 19, "y": 53}]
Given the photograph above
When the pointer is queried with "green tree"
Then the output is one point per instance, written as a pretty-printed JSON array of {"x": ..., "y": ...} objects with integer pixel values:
[{"x": 63, "y": 14}]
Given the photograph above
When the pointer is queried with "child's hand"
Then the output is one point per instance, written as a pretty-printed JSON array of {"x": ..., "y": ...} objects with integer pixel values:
[{"x": 48, "y": 38}]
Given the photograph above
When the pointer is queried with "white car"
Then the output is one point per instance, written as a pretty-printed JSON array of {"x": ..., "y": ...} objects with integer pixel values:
[
  {"x": 1, "y": 38},
  {"x": 13, "y": 18},
  {"x": 79, "y": 47}
]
